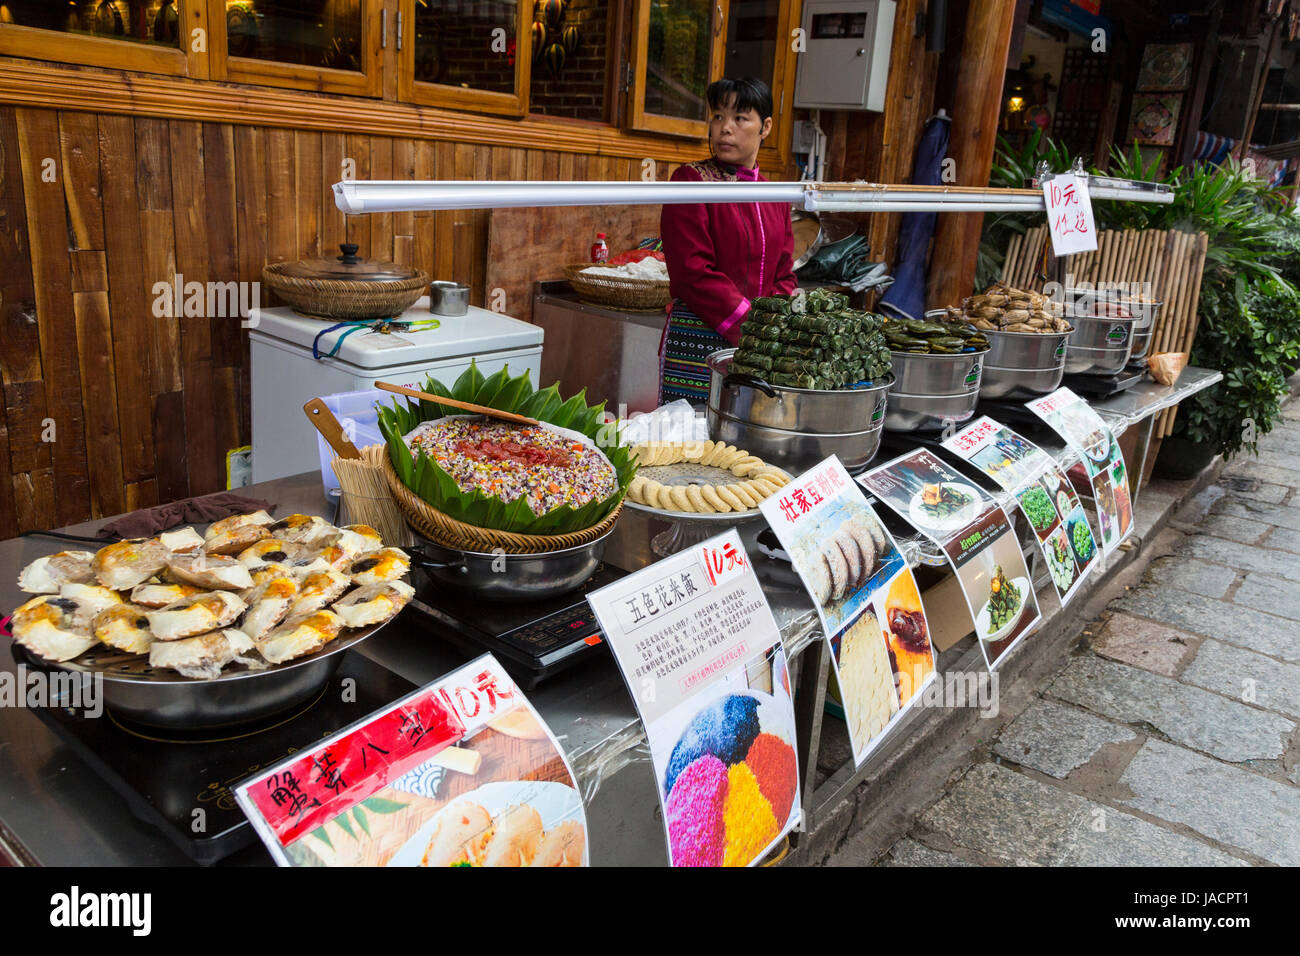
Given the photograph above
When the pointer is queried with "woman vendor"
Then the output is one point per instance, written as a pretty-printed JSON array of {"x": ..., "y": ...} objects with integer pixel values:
[{"x": 720, "y": 256}]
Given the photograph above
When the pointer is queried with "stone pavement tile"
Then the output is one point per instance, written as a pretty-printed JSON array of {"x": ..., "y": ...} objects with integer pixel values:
[
  {"x": 1233, "y": 806},
  {"x": 1143, "y": 643},
  {"x": 1234, "y": 623},
  {"x": 1234, "y": 528},
  {"x": 1196, "y": 718},
  {"x": 1055, "y": 739},
  {"x": 1249, "y": 468},
  {"x": 1212, "y": 580},
  {"x": 1264, "y": 592},
  {"x": 907, "y": 852},
  {"x": 1255, "y": 491},
  {"x": 1284, "y": 539},
  {"x": 1246, "y": 557},
  {"x": 1009, "y": 816},
  {"x": 1226, "y": 669},
  {"x": 1275, "y": 514}
]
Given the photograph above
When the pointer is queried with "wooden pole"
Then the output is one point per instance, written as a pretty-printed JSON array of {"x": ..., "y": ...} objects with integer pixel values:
[
  {"x": 1258, "y": 95},
  {"x": 977, "y": 104}
]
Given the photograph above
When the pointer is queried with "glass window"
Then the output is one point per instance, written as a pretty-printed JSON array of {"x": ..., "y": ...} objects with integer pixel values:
[
  {"x": 677, "y": 58},
  {"x": 752, "y": 28},
  {"x": 467, "y": 43},
  {"x": 568, "y": 75},
  {"x": 139, "y": 21},
  {"x": 299, "y": 32}
]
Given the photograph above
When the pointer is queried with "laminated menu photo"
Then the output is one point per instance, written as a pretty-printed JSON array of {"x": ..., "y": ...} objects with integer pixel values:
[
  {"x": 1043, "y": 494},
  {"x": 1091, "y": 438},
  {"x": 975, "y": 535},
  {"x": 865, "y": 595},
  {"x": 702, "y": 656},
  {"x": 462, "y": 772}
]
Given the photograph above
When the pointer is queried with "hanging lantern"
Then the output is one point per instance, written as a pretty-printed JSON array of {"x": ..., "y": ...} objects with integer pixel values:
[
  {"x": 539, "y": 39},
  {"x": 571, "y": 37},
  {"x": 555, "y": 58},
  {"x": 554, "y": 10}
]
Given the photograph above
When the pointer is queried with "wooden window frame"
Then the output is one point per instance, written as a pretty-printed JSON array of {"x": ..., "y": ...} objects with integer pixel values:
[
  {"x": 39, "y": 44},
  {"x": 638, "y": 117},
  {"x": 409, "y": 90},
  {"x": 258, "y": 72}
]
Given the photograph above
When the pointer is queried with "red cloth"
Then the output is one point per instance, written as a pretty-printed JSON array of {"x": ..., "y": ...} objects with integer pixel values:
[{"x": 722, "y": 255}]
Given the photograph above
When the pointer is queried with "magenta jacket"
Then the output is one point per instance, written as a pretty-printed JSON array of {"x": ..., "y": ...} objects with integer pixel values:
[{"x": 722, "y": 255}]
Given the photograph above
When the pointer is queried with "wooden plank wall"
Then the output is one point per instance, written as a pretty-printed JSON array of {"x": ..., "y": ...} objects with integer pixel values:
[{"x": 96, "y": 208}]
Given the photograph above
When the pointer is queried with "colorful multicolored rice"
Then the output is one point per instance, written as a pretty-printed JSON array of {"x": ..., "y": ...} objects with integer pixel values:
[{"x": 585, "y": 474}]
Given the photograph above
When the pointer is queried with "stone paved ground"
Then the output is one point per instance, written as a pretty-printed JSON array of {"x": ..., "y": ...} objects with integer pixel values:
[{"x": 1171, "y": 738}]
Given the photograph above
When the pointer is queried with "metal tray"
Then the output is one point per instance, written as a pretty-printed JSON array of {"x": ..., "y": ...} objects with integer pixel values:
[{"x": 158, "y": 697}]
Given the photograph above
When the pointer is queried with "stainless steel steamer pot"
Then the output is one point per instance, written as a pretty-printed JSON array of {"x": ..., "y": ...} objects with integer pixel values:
[
  {"x": 933, "y": 389},
  {"x": 1098, "y": 346},
  {"x": 1023, "y": 364},
  {"x": 794, "y": 428}
]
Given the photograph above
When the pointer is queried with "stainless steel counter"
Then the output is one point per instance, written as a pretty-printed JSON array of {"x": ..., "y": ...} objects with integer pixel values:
[{"x": 55, "y": 810}]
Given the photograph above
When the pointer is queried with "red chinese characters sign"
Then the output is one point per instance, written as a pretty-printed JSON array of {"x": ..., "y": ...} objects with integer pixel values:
[
  {"x": 1069, "y": 214},
  {"x": 304, "y": 792},
  {"x": 802, "y": 496}
]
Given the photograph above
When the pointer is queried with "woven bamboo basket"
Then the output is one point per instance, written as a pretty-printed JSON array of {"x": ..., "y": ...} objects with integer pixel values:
[
  {"x": 450, "y": 533},
  {"x": 345, "y": 299},
  {"x": 631, "y": 295}
]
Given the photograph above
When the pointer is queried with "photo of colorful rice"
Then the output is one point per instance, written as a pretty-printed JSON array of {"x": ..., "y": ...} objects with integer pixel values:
[{"x": 731, "y": 782}]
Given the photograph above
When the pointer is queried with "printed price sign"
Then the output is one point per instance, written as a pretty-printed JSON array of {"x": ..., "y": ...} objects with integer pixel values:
[
  {"x": 1043, "y": 493},
  {"x": 1083, "y": 430},
  {"x": 865, "y": 594},
  {"x": 975, "y": 536},
  {"x": 702, "y": 655},
  {"x": 1069, "y": 214},
  {"x": 378, "y": 792}
]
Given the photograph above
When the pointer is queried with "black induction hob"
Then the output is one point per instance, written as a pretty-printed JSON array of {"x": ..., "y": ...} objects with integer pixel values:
[
  {"x": 534, "y": 640},
  {"x": 167, "y": 776}
]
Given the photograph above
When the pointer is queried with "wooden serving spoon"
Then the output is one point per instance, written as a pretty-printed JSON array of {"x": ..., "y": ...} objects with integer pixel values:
[
  {"x": 454, "y": 403},
  {"x": 329, "y": 427}
]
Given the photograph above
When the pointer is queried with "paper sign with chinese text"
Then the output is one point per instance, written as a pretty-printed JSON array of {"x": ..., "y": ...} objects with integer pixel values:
[
  {"x": 974, "y": 534},
  {"x": 1069, "y": 214},
  {"x": 865, "y": 595},
  {"x": 462, "y": 772},
  {"x": 702, "y": 656},
  {"x": 1103, "y": 462},
  {"x": 1043, "y": 494}
]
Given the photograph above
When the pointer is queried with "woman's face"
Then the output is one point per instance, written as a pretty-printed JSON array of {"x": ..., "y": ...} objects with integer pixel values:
[{"x": 735, "y": 137}]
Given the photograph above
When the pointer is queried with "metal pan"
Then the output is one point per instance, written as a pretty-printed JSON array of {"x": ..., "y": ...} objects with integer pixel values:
[
  {"x": 164, "y": 699},
  {"x": 510, "y": 578}
]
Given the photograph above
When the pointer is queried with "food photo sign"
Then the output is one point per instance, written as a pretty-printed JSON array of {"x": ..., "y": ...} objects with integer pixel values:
[
  {"x": 1083, "y": 430},
  {"x": 975, "y": 535},
  {"x": 701, "y": 653},
  {"x": 865, "y": 595},
  {"x": 462, "y": 772},
  {"x": 1043, "y": 493}
]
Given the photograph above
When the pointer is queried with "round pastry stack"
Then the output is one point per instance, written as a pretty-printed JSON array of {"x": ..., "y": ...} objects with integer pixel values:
[{"x": 757, "y": 481}]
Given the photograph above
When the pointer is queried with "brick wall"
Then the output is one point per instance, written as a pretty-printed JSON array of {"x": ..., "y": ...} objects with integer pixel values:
[{"x": 579, "y": 90}]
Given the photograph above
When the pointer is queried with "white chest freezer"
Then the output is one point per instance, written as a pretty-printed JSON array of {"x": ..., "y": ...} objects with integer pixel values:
[{"x": 285, "y": 375}]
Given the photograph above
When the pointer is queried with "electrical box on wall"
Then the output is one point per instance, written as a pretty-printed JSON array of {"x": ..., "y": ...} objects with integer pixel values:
[{"x": 845, "y": 61}]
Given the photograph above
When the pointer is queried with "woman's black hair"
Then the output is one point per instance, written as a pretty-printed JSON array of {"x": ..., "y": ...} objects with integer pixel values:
[{"x": 750, "y": 92}]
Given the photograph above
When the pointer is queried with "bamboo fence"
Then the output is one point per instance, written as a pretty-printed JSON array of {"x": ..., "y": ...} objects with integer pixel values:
[{"x": 1171, "y": 261}]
